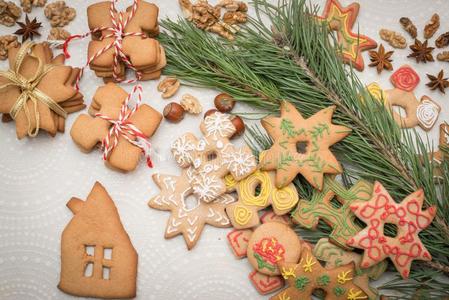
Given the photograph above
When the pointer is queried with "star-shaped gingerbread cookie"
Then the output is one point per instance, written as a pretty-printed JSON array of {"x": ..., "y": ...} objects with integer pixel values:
[
  {"x": 188, "y": 221},
  {"x": 409, "y": 219},
  {"x": 302, "y": 145},
  {"x": 341, "y": 19}
]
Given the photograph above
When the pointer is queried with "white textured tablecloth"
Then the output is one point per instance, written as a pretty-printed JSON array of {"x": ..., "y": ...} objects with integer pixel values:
[{"x": 38, "y": 176}]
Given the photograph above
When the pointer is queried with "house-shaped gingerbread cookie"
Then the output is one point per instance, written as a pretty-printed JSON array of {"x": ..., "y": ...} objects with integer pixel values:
[{"x": 97, "y": 256}]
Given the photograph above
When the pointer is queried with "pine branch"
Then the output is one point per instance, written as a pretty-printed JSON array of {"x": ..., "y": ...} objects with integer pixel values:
[{"x": 294, "y": 59}]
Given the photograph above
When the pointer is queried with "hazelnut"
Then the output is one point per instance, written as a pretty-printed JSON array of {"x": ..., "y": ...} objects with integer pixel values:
[
  {"x": 224, "y": 103},
  {"x": 174, "y": 112},
  {"x": 209, "y": 112},
  {"x": 239, "y": 126}
]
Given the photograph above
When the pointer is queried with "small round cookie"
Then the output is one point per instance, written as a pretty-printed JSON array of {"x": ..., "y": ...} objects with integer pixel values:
[{"x": 270, "y": 243}]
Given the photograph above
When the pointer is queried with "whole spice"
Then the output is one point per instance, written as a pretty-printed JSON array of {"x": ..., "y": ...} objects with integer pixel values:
[
  {"x": 168, "y": 86},
  {"x": 28, "y": 29},
  {"x": 173, "y": 112},
  {"x": 438, "y": 82},
  {"x": 209, "y": 112},
  {"x": 9, "y": 13},
  {"x": 432, "y": 26},
  {"x": 224, "y": 102},
  {"x": 442, "y": 40},
  {"x": 59, "y": 13},
  {"x": 191, "y": 104},
  {"x": 239, "y": 126},
  {"x": 421, "y": 52},
  {"x": 396, "y": 40},
  {"x": 27, "y": 5},
  {"x": 6, "y": 42},
  {"x": 408, "y": 26},
  {"x": 381, "y": 59},
  {"x": 443, "y": 56}
]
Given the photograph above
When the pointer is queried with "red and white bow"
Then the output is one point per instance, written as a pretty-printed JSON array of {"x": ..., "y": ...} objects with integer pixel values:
[{"x": 123, "y": 127}]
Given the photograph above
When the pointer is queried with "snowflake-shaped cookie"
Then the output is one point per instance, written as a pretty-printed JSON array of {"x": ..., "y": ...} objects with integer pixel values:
[
  {"x": 213, "y": 157},
  {"x": 409, "y": 219},
  {"x": 302, "y": 145},
  {"x": 188, "y": 221}
]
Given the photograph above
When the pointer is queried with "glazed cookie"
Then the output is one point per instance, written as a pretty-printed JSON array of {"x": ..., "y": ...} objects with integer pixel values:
[
  {"x": 270, "y": 243},
  {"x": 97, "y": 257},
  {"x": 409, "y": 218},
  {"x": 256, "y": 192},
  {"x": 321, "y": 207},
  {"x": 334, "y": 257},
  {"x": 423, "y": 112},
  {"x": 308, "y": 275},
  {"x": 302, "y": 145},
  {"x": 341, "y": 20},
  {"x": 188, "y": 221},
  {"x": 122, "y": 131},
  {"x": 213, "y": 157}
]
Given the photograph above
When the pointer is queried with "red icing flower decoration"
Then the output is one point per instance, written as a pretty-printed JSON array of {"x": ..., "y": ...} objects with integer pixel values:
[
  {"x": 270, "y": 250},
  {"x": 408, "y": 216},
  {"x": 405, "y": 78}
]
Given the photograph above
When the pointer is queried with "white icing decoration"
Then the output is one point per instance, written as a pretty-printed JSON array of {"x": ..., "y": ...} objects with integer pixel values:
[
  {"x": 206, "y": 187},
  {"x": 427, "y": 113},
  {"x": 197, "y": 163},
  {"x": 240, "y": 163},
  {"x": 192, "y": 233},
  {"x": 192, "y": 222},
  {"x": 219, "y": 125},
  {"x": 169, "y": 183},
  {"x": 201, "y": 145},
  {"x": 181, "y": 149}
]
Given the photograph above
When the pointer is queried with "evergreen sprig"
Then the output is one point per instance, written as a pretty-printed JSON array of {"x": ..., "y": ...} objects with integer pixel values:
[{"x": 290, "y": 56}]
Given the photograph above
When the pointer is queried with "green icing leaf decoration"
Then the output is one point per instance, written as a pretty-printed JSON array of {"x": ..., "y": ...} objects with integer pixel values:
[
  {"x": 319, "y": 130},
  {"x": 338, "y": 290},
  {"x": 261, "y": 263},
  {"x": 287, "y": 127},
  {"x": 301, "y": 282},
  {"x": 284, "y": 160},
  {"x": 323, "y": 280}
]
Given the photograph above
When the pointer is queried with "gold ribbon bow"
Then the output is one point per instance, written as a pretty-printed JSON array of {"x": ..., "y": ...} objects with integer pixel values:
[{"x": 28, "y": 87}]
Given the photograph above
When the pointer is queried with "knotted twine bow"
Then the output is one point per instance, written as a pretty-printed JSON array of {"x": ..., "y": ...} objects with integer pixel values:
[
  {"x": 28, "y": 88},
  {"x": 123, "y": 127},
  {"x": 117, "y": 31}
]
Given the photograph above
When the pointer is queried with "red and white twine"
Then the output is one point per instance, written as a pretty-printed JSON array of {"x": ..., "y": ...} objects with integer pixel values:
[
  {"x": 123, "y": 127},
  {"x": 119, "y": 23}
]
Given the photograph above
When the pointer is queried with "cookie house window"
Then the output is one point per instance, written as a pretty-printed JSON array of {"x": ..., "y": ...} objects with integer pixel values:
[
  {"x": 102, "y": 258},
  {"x": 106, "y": 273},
  {"x": 301, "y": 147},
  {"x": 89, "y": 269},
  {"x": 107, "y": 253}
]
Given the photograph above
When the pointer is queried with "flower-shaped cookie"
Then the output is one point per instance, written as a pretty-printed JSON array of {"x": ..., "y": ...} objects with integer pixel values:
[
  {"x": 409, "y": 219},
  {"x": 213, "y": 157},
  {"x": 302, "y": 145}
]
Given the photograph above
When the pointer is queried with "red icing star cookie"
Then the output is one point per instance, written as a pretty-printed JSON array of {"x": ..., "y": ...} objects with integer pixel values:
[
  {"x": 341, "y": 19},
  {"x": 410, "y": 220}
]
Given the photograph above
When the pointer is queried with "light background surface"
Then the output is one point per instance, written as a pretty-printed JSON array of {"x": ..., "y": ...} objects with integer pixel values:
[{"x": 38, "y": 176}]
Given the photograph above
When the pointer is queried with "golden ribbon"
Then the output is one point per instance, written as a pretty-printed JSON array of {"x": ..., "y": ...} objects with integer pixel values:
[{"x": 28, "y": 87}]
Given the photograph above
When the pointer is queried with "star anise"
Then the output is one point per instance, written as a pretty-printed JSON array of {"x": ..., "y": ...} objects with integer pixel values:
[
  {"x": 421, "y": 52},
  {"x": 381, "y": 59},
  {"x": 28, "y": 29},
  {"x": 438, "y": 82}
]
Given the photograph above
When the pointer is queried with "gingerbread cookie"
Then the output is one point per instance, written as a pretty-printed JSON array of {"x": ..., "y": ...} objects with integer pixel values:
[
  {"x": 404, "y": 245},
  {"x": 438, "y": 156},
  {"x": 122, "y": 131},
  {"x": 270, "y": 243},
  {"x": 97, "y": 257},
  {"x": 334, "y": 256},
  {"x": 339, "y": 217},
  {"x": 213, "y": 157},
  {"x": 38, "y": 90},
  {"x": 302, "y": 145},
  {"x": 256, "y": 192},
  {"x": 188, "y": 221},
  {"x": 308, "y": 275},
  {"x": 238, "y": 239},
  {"x": 341, "y": 20},
  {"x": 423, "y": 113}
]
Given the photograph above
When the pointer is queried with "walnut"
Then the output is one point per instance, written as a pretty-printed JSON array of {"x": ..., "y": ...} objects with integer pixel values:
[
  {"x": 235, "y": 17},
  {"x": 396, "y": 40},
  {"x": 233, "y": 6},
  {"x": 408, "y": 26},
  {"x": 443, "y": 56},
  {"x": 442, "y": 40},
  {"x": 6, "y": 42},
  {"x": 168, "y": 86},
  {"x": 27, "y": 5},
  {"x": 9, "y": 13},
  {"x": 432, "y": 26},
  {"x": 191, "y": 104},
  {"x": 204, "y": 14},
  {"x": 59, "y": 14},
  {"x": 58, "y": 33}
]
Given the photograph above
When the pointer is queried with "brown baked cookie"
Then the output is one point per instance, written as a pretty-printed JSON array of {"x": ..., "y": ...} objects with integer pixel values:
[
  {"x": 106, "y": 113},
  {"x": 302, "y": 145},
  {"x": 97, "y": 257}
]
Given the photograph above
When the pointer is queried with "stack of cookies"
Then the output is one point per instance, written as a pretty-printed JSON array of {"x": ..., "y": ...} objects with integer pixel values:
[
  {"x": 55, "y": 82},
  {"x": 137, "y": 42}
]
